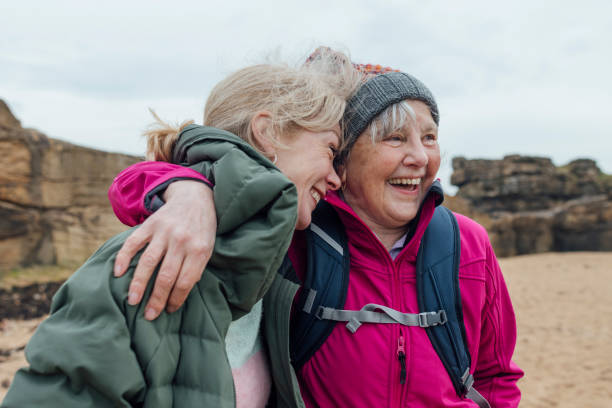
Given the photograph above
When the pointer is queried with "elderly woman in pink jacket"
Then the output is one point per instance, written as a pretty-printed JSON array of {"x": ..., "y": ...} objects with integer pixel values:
[{"x": 388, "y": 197}]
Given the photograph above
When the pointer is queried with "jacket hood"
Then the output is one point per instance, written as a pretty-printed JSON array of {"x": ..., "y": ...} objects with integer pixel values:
[{"x": 193, "y": 135}]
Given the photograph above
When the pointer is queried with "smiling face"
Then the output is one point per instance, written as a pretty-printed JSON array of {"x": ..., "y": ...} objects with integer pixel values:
[
  {"x": 308, "y": 162},
  {"x": 386, "y": 181}
]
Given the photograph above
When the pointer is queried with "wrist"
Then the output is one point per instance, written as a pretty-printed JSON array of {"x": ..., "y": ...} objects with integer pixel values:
[{"x": 186, "y": 188}]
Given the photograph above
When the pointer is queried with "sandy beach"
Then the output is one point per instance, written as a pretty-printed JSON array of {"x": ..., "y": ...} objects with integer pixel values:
[{"x": 563, "y": 304}]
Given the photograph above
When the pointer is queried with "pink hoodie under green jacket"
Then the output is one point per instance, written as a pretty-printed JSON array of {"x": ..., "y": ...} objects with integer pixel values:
[{"x": 362, "y": 369}]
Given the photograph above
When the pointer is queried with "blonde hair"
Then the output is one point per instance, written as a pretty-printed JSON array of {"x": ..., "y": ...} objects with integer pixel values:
[{"x": 312, "y": 97}]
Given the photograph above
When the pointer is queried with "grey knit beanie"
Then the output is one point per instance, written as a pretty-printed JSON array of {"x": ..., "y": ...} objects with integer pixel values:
[{"x": 375, "y": 95}]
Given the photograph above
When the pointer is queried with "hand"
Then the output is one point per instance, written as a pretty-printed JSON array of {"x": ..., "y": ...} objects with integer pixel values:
[{"x": 182, "y": 232}]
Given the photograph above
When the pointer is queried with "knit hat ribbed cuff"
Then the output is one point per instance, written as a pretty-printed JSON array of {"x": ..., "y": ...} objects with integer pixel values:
[{"x": 378, "y": 93}]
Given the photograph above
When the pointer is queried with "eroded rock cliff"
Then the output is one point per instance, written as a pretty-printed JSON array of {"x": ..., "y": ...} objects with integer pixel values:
[{"x": 53, "y": 204}]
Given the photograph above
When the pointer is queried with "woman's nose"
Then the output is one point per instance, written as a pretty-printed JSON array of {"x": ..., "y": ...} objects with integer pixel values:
[
  {"x": 333, "y": 180},
  {"x": 415, "y": 155}
]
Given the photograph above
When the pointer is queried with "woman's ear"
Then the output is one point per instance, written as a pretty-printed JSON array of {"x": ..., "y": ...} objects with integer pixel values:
[{"x": 263, "y": 135}]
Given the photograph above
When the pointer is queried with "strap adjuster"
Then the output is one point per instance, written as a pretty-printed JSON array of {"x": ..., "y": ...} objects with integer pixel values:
[
  {"x": 423, "y": 320},
  {"x": 319, "y": 312},
  {"x": 468, "y": 383},
  {"x": 443, "y": 318}
]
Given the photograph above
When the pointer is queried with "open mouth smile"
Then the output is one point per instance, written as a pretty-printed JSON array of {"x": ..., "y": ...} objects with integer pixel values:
[
  {"x": 315, "y": 194},
  {"x": 408, "y": 184}
]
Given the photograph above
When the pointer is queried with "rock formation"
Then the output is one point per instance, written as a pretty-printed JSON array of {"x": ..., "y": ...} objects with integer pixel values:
[
  {"x": 54, "y": 209},
  {"x": 533, "y": 206},
  {"x": 53, "y": 203},
  {"x": 7, "y": 118}
]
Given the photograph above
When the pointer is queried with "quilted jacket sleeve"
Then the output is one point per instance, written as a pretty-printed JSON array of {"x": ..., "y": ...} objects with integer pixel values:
[{"x": 496, "y": 374}]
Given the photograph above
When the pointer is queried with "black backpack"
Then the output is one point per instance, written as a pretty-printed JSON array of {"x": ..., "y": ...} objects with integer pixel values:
[{"x": 326, "y": 282}]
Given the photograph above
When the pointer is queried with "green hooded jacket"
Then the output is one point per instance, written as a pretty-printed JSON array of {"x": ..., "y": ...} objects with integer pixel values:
[{"x": 95, "y": 350}]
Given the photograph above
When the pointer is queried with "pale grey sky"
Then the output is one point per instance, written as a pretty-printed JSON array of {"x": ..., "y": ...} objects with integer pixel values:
[{"x": 529, "y": 77}]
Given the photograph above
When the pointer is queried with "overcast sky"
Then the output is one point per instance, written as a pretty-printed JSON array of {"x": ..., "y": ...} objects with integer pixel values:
[{"x": 529, "y": 77}]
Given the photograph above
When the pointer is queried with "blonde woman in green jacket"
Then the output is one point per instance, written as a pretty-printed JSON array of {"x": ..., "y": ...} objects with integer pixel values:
[{"x": 268, "y": 145}]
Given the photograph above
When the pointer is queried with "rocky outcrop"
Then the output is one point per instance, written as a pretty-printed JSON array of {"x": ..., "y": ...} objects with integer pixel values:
[
  {"x": 519, "y": 183},
  {"x": 529, "y": 205},
  {"x": 7, "y": 119},
  {"x": 53, "y": 203}
]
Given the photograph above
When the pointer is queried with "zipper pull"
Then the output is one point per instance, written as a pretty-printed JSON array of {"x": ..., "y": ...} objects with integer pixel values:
[{"x": 401, "y": 356}]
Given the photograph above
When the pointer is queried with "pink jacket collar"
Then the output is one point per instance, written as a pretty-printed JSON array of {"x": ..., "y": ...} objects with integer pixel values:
[{"x": 363, "y": 238}]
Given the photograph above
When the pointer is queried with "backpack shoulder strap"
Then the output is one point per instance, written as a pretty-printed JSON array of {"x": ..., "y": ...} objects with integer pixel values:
[
  {"x": 325, "y": 284},
  {"x": 438, "y": 289}
]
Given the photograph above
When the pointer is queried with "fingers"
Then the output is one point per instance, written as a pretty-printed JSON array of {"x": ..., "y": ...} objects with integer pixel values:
[
  {"x": 134, "y": 243},
  {"x": 150, "y": 258},
  {"x": 190, "y": 275},
  {"x": 164, "y": 282}
]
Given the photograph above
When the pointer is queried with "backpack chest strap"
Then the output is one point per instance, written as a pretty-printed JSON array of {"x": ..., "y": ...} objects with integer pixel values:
[{"x": 373, "y": 313}]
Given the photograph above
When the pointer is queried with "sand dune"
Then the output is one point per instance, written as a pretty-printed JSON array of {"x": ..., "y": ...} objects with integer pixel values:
[{"x": 563, "y": 304}]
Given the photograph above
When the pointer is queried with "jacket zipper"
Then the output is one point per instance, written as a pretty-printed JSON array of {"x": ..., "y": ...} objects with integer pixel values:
[
  {"x": 401, "y": 357},
  {"x": 397, "y": 389},
  {"x": 400, "y": 352}
]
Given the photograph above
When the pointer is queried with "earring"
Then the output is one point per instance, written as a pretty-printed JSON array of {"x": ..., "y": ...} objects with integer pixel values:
[{"x": 275, "y": 158}]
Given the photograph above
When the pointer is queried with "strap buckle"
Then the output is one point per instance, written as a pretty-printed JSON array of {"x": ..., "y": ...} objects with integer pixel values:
[{"x": 429, "y": 319}]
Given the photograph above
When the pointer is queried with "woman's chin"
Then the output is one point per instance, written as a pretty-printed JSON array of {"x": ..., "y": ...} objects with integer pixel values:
[{"x": 402, "y": 215}]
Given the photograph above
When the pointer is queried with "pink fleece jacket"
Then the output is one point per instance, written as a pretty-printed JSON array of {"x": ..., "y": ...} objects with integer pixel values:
[{"x": 362, "y": 369}]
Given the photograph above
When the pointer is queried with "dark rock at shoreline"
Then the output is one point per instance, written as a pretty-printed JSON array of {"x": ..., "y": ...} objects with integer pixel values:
[{"x": 27, "y": 302}]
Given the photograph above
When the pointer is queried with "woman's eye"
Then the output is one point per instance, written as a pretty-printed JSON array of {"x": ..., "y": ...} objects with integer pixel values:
[
  {"x": 333, "y": 150},
  {"x": 430, "y": 138},
  {"x": 394, "y": 140}
]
